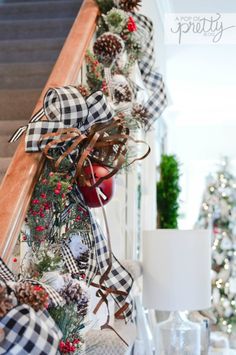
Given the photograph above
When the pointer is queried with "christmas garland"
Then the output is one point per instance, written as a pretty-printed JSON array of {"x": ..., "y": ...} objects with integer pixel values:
[
  {"x": 64, "y": 247},
  {"x": 122, "y": 64}
]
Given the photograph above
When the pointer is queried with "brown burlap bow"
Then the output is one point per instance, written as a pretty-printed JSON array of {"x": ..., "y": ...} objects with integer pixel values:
[{"x": 105, "y": 144}]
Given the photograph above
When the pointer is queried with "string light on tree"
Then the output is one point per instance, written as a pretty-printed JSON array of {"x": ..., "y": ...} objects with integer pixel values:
[{"x": 218, "y": 212}]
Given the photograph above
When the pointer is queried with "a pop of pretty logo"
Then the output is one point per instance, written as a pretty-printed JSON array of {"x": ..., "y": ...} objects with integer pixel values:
[{"x": 185, "y": 28}]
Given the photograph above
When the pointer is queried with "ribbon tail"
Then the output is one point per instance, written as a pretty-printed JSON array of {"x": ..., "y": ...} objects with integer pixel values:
[
  {"x": 18, "y": 133},
  {"x": 5, "y": 272}
]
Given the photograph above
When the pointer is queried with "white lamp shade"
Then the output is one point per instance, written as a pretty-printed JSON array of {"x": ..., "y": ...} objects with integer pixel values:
[{"x": 177, "y": 269}]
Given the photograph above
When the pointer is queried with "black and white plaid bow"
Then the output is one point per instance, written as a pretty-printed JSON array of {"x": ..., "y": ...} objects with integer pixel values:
[
  {"x": 64, "y": 107},
  {"x": 29, "y": 332},
  {"x": 151, "y": 77},
  {"x": 7, "y": 276}
]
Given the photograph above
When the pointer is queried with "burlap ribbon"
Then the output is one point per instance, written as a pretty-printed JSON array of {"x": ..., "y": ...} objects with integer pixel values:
[{"x": 105, "y": 144}]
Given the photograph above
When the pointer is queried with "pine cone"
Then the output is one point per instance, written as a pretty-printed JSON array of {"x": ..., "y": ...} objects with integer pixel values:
[
  {"x": 128, "y": 5},
  {"x": 122, "y": 93},
  {"x": 108, "y": 47},
  {"x": 83, "y": 90},
  {"x": 33, "y": 295},
  {"x": 72, "y": 292},
  {"x": 6, "y": 303},
  {"x": 83, "y": 260},
  {"x": 140, "y": 113},
  {"x": 82, "y": 307}
]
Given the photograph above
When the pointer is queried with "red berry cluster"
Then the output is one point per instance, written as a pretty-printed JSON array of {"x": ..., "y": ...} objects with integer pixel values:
[
  {"x": 52, "y": 188},
  {"x": 131, "y": 25},
  {"x": 94, "y": 66},
  {"x": 39, "y": 206},
  {"x": 68, "y": 347},
  {"x": 104, "y": 87}
]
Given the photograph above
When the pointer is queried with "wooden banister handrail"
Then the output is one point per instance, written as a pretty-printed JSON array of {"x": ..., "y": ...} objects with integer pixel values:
[{"x": 18, "y": 184}]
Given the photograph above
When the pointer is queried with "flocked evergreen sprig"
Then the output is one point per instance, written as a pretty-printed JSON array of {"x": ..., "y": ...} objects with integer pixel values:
[
  {"x": 105, "y": 5},
  {"x": 116, "y": 20},
  {"x": 95, "y": 73},
  {"x": 168, "y": 190}
]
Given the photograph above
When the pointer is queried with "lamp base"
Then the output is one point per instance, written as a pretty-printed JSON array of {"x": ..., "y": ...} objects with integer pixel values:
[{"x": 177, "y": 336}]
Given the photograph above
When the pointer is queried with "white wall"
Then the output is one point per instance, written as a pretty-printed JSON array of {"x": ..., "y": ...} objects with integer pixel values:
[{"x": 202, "y": 118}]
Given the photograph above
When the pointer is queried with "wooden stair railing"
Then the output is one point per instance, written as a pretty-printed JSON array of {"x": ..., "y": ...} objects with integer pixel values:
[{"x": 20, "y": 179}]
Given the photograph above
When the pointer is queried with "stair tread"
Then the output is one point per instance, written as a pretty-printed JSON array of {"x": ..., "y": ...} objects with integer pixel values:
[
  {"x": 8, "y": 127},
  {"x": 36, "y": 28},
  {"x": 39, "y": 10},
  {"x": 32, "y": 32},
  {"x": 17, "y": 104},
  {"x": 24, "y": 75},
  {"x": 29, "y": 50},
  {"x": 7, "y": 149},
  {"x": 28, "y": 1},
  {"x": 25, "y": 68}
]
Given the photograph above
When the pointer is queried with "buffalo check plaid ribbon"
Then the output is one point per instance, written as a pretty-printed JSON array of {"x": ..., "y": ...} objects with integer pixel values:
[
  {"x": 64, "y": 107},
  {"x": 29, "y": 332},
  {"x": 7, "y": 276},
  {"x": 118, "y": 278},
  {"x": 69, "y": 260},
  {"x": 152, "y": 79},
  {"x": 119, "y": 281}
]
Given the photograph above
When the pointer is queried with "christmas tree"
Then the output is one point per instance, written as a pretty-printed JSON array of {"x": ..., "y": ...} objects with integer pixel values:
[{"x": 218, "y": 212}]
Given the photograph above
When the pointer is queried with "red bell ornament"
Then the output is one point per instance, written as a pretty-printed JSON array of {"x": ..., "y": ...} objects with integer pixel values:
[{"x": 105, "y": 189}]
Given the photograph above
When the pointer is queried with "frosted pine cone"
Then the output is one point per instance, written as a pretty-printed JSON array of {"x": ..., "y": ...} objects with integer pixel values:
[
  {"x": 128, "y": 5},
  {"x": 83, "y": 260},
  {"x": 6, "y": 303},
  {"x": 108, "y": 47},
  {"x": 33, "y": 295},
  {"x": 140, "y": 113},
  {"x": 122, "y": 93},
  {"x": 72, "y": 292},
  {"x": 82, "y": 307}
]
